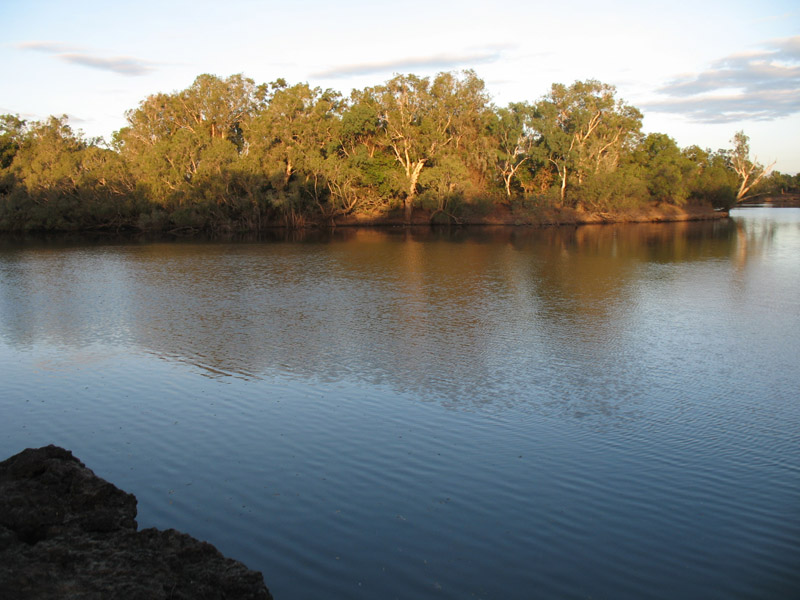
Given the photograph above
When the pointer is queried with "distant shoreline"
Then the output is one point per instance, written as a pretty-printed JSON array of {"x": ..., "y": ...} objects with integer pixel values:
[
  {"x": 500, "y": 215},
  {"x": 544, "y": 217},
  {"x": 782, "y": 200},
  {"x": 227, "y": 155}
]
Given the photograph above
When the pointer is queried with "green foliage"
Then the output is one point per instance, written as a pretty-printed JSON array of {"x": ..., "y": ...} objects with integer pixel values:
[
  {"x": 620, "y": 189},
  {"x": 779, "y": 183},
  {"x": 513, "y": 135},
  {"x": 584, "y": 131},
  {"x": 665, "y": 169},
  {"x": 227, "y": 154},
  {"x": 713, "y": 182},
  {"x": 12, "y": 130}
]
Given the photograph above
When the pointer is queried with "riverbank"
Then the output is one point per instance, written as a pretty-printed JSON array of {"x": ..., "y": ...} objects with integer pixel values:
[
  {"x": 779, "y": 200},
  {"x": 184, "y": 223},
  {"x": 549, "y": 216}
]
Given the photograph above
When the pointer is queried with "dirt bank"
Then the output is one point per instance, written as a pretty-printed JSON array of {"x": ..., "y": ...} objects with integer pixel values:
[{"x": 541, "y": 216}]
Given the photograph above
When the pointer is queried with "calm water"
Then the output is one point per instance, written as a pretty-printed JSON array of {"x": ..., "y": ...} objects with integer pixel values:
[{"x": 603, "y": 412}]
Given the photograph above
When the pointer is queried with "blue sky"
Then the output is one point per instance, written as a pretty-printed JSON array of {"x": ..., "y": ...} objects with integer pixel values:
[{"x": 700, "y": 71}]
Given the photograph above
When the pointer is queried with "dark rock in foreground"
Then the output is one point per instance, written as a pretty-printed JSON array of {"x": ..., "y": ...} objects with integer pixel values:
[{"x": 66, "y": 533}]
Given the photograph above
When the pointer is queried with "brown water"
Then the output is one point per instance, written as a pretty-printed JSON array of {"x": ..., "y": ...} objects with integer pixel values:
[{"x": 605, "y": 412}]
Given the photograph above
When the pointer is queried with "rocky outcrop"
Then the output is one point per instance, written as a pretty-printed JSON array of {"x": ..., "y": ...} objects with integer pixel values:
[{"x": 66, "y": 533}]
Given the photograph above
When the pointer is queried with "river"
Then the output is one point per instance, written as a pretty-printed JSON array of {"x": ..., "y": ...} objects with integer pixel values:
[{"x": 595, "y": 412}]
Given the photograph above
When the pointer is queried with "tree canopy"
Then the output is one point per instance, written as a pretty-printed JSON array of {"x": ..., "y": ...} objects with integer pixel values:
[{"x": 227, "y": 153}]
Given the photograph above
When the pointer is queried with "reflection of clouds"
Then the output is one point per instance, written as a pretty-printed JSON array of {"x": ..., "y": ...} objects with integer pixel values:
[
  {"x": 360, "y": 310},
  {"x": 69, "y": 361},
  {"x": 494, "y": 317},
  {"x": 63, "y": 296},
  {"x": 760, "y": 85}
]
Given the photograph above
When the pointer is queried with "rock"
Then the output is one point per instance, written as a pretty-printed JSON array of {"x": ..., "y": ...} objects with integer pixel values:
[{"x": 66, "y": 533}]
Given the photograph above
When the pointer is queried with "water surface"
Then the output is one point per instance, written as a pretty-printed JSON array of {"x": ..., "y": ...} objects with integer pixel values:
[{"x": 600, "y": 412}]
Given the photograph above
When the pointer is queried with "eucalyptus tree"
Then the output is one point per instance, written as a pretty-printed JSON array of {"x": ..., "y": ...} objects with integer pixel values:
[
  {"x": 463, "y": 99},
  {"x": 361, "y": 173},
  {"x": 420, "y": 119},
  {"x": 360, "y": 125},
  {"x": 290, "y": 140},
  {"x": 403, "y": 107},
  {"x": 584, "y": 129},
  {"x": 667, "y": 171},
  {"x": 296, "y": 125},
  {"x": 219, "y": 107},
  {"x": 513, "y": 136},
  {"x": 230, "y": 151},
  {"x": 63, "y": 181},
  {"x": 175, "y": 143},
  {"x": 47, "y": 161},
  {"x": 712, "y": 179},
  {"x": 749, "y": 172},
  {"x": 780, "y": 183},
  {"x": 12, "y": 129},
  {"x": 212, "y": 107},
  {"x": 45, "y": 177}
]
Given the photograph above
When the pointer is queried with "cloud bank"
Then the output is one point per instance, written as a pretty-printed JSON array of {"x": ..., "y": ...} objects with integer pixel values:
[
  {"x": 122, "y": 65},
  {"x": 436, "y": 61},
  {"x": 763, "y": 85}
]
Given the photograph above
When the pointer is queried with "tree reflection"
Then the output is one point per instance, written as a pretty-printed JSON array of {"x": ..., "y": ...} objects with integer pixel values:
[{"x": 482, "y": 317}]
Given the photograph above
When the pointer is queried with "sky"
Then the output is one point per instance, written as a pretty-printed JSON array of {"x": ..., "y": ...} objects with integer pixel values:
[{"x": 699, "y": 71}]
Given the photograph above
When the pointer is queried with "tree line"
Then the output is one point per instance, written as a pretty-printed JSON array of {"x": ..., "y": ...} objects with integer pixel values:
[{"x": 228, "y": 154}]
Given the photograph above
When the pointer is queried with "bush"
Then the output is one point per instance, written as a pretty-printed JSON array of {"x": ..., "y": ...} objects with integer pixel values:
[
  {"x": 619, "y": 190},
  {"x": 155, "y": 220}
]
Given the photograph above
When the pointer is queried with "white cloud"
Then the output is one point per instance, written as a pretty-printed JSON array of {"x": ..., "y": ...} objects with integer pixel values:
[
  {"x": 758, "y": 85},
  {"x": 122, "y": 65},
  {"x": 47, "y": 47},
  {"x": 444, "y": 62}
]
